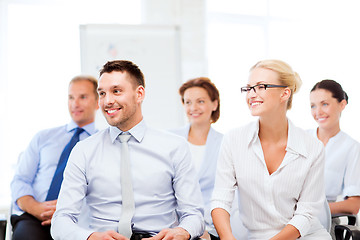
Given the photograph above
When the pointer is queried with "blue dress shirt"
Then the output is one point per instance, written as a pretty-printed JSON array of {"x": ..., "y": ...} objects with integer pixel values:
[
  {"x": 37, "y": 164},
  {"x": 166, "y": 190}
]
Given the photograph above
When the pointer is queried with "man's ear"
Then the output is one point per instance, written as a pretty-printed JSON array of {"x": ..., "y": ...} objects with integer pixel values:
[{"x": 140, "y": 91}]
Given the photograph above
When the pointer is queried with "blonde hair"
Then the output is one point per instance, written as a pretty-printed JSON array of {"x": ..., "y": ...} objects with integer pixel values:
[{"x": 287, "y": 76}]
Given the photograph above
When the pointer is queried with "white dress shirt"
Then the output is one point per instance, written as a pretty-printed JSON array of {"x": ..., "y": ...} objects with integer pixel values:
[
  {"x": 293, "y": 194},
  {"x": 165, "y": 189},
  {"x": 342, "y": 166}
]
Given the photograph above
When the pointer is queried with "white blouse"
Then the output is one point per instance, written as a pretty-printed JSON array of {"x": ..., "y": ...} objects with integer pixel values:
[
  {"x": 342, "y": 166},
  {"x": 197, "y": 155},
  {"x": 293, "y": 194}
]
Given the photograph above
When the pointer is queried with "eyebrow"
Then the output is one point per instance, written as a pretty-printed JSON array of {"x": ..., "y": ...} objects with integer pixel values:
[
  {"x": 322, "y": 101},
  {"x": 257, "y": 83},
  {"x": 112, "y": 87},
  {"x": 199, "y": 98}
]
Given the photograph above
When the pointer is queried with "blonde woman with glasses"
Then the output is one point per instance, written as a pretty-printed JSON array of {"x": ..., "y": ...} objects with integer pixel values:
[{"x": 277, "y": 168}]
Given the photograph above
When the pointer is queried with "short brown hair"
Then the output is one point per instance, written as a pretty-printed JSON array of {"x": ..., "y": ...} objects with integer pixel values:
[
  {"x": 125, "y": 66},
  {"x": 210, "y": 88},
  {"x": 89, "y": 78}
]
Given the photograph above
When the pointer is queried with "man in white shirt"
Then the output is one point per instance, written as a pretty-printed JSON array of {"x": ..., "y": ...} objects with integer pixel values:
[{"x": 167, "y": 197}]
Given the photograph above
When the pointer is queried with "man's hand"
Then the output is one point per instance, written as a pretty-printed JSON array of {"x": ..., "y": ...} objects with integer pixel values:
[
  {"x": 41, "y": 210},
  {"x": 171, "y": 234},
  {"x": 46, "y": 211},
  {"x": 108, "y": 235},
  {"x": 206, "y": 236}
]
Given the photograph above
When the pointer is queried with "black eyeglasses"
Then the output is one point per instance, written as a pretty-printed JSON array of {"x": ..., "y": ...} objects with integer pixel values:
[{"x": 261, "y": 87}]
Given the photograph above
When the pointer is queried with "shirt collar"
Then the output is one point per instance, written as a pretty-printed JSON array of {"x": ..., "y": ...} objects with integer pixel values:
[
  {"x": 138, "y": 131},
  {"x": 90, "y": 128},
  {"x": 253, "y": 132},
  {"x": 293, "y": 143}
]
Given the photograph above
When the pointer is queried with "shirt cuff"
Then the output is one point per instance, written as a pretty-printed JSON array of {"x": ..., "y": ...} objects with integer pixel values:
[
  {"x": 219, "y": 204},
  {"x": 195, "y": 230},
  {"x": 351, "y": 191},
  {"x": 301, "y": 223},
  {"x": 22, "y": 194},
  {"x": 79, "y": 234}
]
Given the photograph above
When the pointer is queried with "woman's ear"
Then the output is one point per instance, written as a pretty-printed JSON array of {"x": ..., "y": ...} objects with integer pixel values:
[
  {"x": 343, "y": 104},
  {"x": 285, "y": 94},
  {"x": 215, "y": 105}
]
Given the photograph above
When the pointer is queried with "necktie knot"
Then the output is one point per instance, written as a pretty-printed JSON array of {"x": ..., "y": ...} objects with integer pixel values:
[
  {"x": 78, "y": 131},
  {"x": 124, "y": 137}
]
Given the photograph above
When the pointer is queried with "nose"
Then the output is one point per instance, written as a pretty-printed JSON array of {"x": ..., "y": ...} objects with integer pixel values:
[
  {"x": 319, "y": 111},
  {"x": 108, "y": 99},
  {"x": 193, "y": 106},
  {"x": 253, "y": 88},
  {"x": 251, "y": 93},
  {"x": 75, "y": 102}
]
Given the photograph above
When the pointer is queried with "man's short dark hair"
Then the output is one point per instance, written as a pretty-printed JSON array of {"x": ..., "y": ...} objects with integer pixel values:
[{"x": 125, "y": 66}]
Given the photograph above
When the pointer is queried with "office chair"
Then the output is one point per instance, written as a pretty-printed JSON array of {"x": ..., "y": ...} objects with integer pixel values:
[
  {"x": 350, "y": 217},
  {"x": 8, "y": 232},
  {"x": 347, "y": 232},
  {"x": 2, "y": 229},
  {"x": 342, "y": 232}
]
